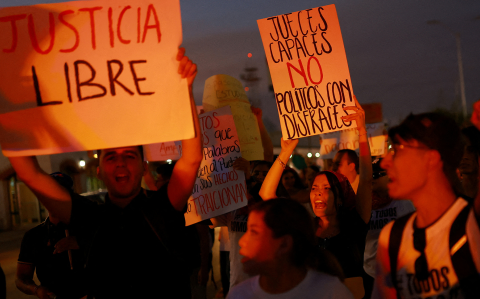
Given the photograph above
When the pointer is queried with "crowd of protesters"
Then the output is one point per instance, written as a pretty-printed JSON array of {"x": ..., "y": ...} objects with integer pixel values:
[{"x": 403, "y": 225}]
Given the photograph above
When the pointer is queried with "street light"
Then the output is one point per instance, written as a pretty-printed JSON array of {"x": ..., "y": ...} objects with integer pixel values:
[{"x": 460, "y": 63}]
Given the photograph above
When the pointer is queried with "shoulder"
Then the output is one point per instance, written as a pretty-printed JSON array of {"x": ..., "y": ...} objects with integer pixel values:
[
  {"x": 159, "y": 198},
  {"x": 321, "y": 282},
  {"x": 245, "y": 289},
  {"x": 385, "y": 234},
  {"x": 34, "y": 235}
]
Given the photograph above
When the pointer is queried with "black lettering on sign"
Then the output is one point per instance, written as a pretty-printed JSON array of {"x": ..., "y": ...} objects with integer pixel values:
[
  {"x": 136, "y": 79},
  {"x": 38, "y": 94},
  {"x": 114, "y": 78}
]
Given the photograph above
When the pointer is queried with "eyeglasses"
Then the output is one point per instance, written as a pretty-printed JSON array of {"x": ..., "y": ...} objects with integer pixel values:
[
  {"x": 377, "y": 175},
  {"x": 421, "y": 264},
  {"x": 396, "y": 147}
]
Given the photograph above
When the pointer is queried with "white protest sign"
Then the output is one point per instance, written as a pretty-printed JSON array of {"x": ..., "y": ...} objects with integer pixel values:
[
  {"x": 309, "y": 71},
  {"x": 219, "y": 188},
  {"x": 87, "y": 75},
  {"x": 222, "y": 90},
  {"x": 163, "y": 151},
  {"x": 348, "y": 139}
]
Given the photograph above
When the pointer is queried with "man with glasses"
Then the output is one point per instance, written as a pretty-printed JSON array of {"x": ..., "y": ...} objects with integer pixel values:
[{"x": 432, "y": 253}]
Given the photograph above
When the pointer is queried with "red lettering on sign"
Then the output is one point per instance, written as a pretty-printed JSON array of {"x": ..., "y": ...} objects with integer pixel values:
[{"x": 13, "y": 19}]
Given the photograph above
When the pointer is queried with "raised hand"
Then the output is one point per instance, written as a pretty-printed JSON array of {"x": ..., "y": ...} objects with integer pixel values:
[
  {"x": 288, "y": 145},
  {"x": 65, "y": 244},
  {"x": 358, "y": 116},
  {"x": 186, "y": 68}
]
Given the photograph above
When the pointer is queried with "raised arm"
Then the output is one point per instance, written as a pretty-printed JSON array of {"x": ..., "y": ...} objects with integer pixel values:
[
  {"x": 266, "y": 140},
  {"x": 270, "y": 184},
  {"x": 476, "y": 122},
  {"x": 185, "y": 170},
  {"x": 363, "y": 200},
  {"x": 54, "y": 197}
]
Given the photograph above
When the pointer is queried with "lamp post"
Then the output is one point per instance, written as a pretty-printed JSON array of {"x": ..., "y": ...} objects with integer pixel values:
[{"x": 460, "y": 63}]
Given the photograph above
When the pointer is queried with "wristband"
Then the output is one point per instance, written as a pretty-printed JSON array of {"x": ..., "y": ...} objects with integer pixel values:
[{"x": 281, "y": 163}]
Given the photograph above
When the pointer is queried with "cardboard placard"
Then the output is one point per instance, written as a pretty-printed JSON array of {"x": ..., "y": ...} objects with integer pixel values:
[
  {"x": 223, "y": 90},
  {"x": 309, "y": 70},
  {"x": 163, "y": 151},
  {"x": 84, "y": 75},
  {"x": 219, "y": 188},
  {"x": 348, "y": 139}
]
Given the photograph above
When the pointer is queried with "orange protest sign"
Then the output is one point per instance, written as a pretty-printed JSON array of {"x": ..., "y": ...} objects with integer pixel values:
[
  {"x": 309, "y": 70},
  {"x": 87, "y": 75}
]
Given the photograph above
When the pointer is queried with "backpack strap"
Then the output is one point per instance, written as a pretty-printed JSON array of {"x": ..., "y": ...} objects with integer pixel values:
[
  {"x": 461, "y": 256},
  {"x": 395, "y": 239}
]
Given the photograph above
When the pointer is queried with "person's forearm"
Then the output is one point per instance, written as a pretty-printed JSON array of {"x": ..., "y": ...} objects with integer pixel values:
[
  {"x": 270, "y": 184},
  {"x": 364, "y": 192},
  {"x": 192, "y": 148},
  {"x": 185, "y": 171},
  {"x": 52, "y": 195},
  {"x": 26, "y": 286}
]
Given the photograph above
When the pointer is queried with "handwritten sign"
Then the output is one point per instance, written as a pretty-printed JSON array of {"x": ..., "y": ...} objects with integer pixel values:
[
  {"x": 163, "y": 151},
  {"x": 222, "y": 90},
  {"x": 348, "y": 139},
  {"x": 309, "y": 70},
  {"x": 219, "y": 188},
  {"x": 84, "y": 75}
]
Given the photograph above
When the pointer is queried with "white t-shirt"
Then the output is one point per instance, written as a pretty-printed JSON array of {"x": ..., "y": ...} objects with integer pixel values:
[
  {"x": 237, "y": 226},
  {"x": 379, "y": 219},
  {"x": 224, "y": 239},
  {"x": 314, "y": 286},
  {"x": 442, "y": 282}
]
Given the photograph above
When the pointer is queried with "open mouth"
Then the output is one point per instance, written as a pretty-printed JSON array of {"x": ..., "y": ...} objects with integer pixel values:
[
  {"x": 320, "y": 204},
  {"x": 121, "y": 178}
]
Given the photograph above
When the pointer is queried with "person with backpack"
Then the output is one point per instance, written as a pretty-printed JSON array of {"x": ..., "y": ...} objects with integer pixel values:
[{"x": 433, "y": 252}]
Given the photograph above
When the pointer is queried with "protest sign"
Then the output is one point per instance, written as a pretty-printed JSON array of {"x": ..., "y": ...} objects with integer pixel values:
[
  {"x": 309, "y": 70},
  {"x": 348, "y": 139},
  {"x": 163, "y": 151},
  {"x": 87, "y": 75},
  {"x": 219, "y": 188},
  {"x": 222, "y": 90}
]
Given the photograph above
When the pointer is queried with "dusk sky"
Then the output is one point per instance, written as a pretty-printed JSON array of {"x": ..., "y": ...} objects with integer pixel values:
[{"x": 394, "y": 56}]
